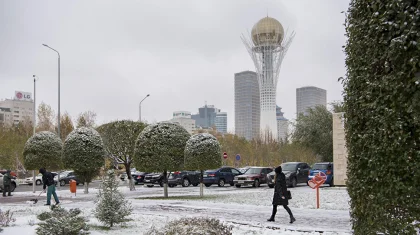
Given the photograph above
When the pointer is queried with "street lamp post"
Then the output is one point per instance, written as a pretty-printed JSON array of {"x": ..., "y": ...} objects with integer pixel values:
[
  {"x": 34, "y": 123},
  {"x": 140, "y": 106},
  {"x": 58, "y": 117}
]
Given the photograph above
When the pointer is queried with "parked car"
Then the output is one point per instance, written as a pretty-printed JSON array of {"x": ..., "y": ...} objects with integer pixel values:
[
  {"x": 327, "y": 168},
  {"x": 153, "y": 179},
  {"x": 65, "y": 178},
  {"x": 12, "y": 186},
  {"x": 295, "y": 172},
  {"x": 38, "y": 179},
  {"x": 184, "y": 178},
  {"x": 243, "y": 169},
  {"x": 123, "y": 176},
  {"x": 138, "y": 177},
  {"x": 221, "y": 176},
  {"x": 254, "y": 176}
]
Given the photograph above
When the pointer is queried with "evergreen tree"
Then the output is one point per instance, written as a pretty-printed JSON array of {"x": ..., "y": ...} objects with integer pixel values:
[{"x": 111, "y": 205}]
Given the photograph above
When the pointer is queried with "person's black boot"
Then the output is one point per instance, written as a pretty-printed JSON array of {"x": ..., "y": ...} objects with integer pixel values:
[
  {"x": 292, "y": 219},
  {"x": 271, "y": 219}
]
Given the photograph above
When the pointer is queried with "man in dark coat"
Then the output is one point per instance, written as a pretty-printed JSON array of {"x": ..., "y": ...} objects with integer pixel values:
[
  {"x": 280, "y": 195},
  {"x": 7, "y": 182},
  {"x": 48, "y": 180}
]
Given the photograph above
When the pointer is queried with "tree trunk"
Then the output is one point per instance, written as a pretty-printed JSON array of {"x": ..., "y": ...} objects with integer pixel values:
[
  {"x": 34, "y": 182},
  {"x": 165, "y": 184},
  {"x": 201, "y": 184},
  {"x": 86, "y": 187},
  {"x": 130, "y": 178}
]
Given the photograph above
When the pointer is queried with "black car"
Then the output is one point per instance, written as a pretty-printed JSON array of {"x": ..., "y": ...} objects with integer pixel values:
[
  {"x": 295, "y": 172},
  {"x": 153, "y": 179},
  {"x": 184, "y": 178},
  {"x": 138, "y": 177},
  {"x": 221, "y": 176},
  {"x": 65, "y": 178}
]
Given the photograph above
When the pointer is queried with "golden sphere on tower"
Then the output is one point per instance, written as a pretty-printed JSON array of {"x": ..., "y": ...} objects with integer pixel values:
[{"x": 267, "y": 31}]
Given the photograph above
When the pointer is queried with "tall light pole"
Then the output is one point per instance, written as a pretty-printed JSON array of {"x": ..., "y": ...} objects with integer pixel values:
[
  {"x": 34, "y": 123},
  {"x": 58, "y": 118},
  {"x": 140, "y": 106}
]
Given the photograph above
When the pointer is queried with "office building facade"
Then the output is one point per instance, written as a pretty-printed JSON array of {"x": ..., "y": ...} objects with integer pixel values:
[
  {"x": 309, "y": 97},
  {"x": 183, "y": 118},
  {"x": 20, "y": 108},
  {"x": 221, "y": 122},
  {"x": 282, "y": 125}
]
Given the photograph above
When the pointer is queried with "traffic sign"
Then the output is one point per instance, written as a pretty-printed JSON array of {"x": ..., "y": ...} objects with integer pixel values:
[
  {"x": 225, "y": 155},
  {"x": 238, "y": 157},
  {"x": 316, "y": 182}
]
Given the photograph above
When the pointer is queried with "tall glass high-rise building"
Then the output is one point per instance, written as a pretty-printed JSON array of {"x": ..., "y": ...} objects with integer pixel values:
[
  {"x": 309, "y": 97},
  {"x": 247, "y": 105}
]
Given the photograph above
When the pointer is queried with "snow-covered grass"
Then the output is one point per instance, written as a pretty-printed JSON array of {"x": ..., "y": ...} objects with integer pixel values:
[{"x": 246, "y": 209}]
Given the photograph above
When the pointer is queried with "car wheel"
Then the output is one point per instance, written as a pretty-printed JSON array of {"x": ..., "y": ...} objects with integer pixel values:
[
  {"x": 12, "y": 187},
  {"x": 77, "y": 183},
  {"x": 332, "y": 182},
  {"x": 294, "y": 182},
  {"x": 232, "y": 184},
  {"x": 207, "y": 185},
  {"x": 238, "y": 185},
  {"x": 38, "y": 182},
  {"x": 171, "y": 185},
  {"x": 62, "y": 182},
  {"x": 149, "y": 186},
  {"x": 271, "y": 185},
  {"x": 256, "y": 183},
  {"x": 195, "y": 185},
  {"x": 185, "y": 182},
  {"x": 221, "y": 183},
  {"x": 161, "y": 183}
]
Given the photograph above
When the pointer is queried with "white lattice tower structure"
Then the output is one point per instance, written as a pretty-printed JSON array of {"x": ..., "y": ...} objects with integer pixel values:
[{"x": 267, "y": 45}]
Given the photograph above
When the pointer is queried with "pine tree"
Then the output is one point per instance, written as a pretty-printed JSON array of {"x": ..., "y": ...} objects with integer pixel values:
[{"x": 111, "y": 205}]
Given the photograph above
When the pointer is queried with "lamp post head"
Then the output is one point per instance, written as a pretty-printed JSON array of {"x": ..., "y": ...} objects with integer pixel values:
[
  {"x": 33, "y": 76},
  {"x": 45, "y": 45},
  {"x": 148, "y": 95}
]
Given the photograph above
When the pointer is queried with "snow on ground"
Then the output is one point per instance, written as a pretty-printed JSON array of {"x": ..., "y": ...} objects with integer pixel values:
[{"x": 246, "y": 209}]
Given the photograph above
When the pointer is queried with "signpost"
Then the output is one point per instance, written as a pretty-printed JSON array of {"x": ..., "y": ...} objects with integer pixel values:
[
  {"x": 316, "y": 182},
  {"x": 238, "y": 157}
]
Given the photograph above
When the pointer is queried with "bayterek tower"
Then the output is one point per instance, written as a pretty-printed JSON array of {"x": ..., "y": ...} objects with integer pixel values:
[{"x": 267, "y": 45}]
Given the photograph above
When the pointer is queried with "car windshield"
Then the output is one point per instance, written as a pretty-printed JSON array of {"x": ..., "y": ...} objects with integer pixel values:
[
  {"x": 320, "y": 167},
  {"x": 64, "y": 174},
  {"x": 243, "y": 170},
  {"x": 288, "y": 167},
  {"x": 253, "y": 171}
]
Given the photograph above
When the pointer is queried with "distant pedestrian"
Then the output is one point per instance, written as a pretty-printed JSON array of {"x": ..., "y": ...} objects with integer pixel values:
[
  {"x": 48, "y": 180},
  {"x": 280, "y": 195},
  {"x": 7, "y": 182}
]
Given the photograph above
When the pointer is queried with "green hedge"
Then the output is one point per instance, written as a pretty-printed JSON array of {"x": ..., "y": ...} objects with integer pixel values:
[{"x": 382, "y": 105}]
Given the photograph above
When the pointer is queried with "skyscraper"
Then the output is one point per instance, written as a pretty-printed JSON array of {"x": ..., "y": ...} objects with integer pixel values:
[
  {"x": 247, "y": 105},
  {"x": 209, "y": 117},
  {"x": 282, "y": 125},
  {"x": 267, "y": 45},
  {"x": 183, "y": 118},
  {"x": 309, "y": 97}
]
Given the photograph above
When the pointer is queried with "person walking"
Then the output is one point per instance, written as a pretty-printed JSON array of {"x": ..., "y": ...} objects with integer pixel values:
[
  {"x": 280, "y": 195},
  {"x": 7, "y": 182},
  {"x": 48, "y": 181}
]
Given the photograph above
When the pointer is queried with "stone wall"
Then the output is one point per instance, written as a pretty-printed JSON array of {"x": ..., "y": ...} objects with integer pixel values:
[{"x": 339, "y": 150}]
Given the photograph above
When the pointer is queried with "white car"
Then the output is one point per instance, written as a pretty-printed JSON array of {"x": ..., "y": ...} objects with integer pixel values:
[{"x": 38, "y": 180}]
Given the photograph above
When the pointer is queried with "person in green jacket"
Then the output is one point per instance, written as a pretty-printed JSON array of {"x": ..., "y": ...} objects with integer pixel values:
[{"x": 7, "y": 181}]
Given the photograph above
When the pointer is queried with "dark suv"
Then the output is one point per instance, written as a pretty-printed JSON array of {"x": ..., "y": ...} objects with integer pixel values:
[
  {"x": 254, "y": 176},
  {"x": 220, "y": 176},
  {"x": 153, "y": 179},
  {"x": 138, "y": 177},
  {"x": 295, "y": 172},
  {"x": 65, "y": 178},
  {"x": 184, "y": 178}
]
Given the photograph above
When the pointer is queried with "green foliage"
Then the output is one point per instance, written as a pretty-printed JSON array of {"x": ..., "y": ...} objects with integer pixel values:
[
  {"x": 314, "y": 131},
  {"x": 202, "y": 152},
  {"x": 160, "y": 147},
  {"x": 382, "y": 94},
  {"x": 193, "y": 226},
  {"x": 43, "y": 150},
  {"x": 84, "y": 152},
  {"x": 111, "y": 206},
  {"x": 12, "y": 141},
  {"x": 59, "y": 221},
  {"x": 119, "y": 139}
]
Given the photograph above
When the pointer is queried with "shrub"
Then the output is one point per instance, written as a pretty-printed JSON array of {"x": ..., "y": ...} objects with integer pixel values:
[
  {"x": 6, "y": 217},
  {"x": 59, "y": 221},
  {"x": 193, "y": 226},
  {"x": 43, "y": 150}
]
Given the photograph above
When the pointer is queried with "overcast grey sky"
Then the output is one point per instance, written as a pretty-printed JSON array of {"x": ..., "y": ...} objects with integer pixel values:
[{"x": 183, "y": 53}]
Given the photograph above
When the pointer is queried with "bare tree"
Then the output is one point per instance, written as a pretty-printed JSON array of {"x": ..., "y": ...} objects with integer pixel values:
[
  {"x": 86, "y": 119},
  {"x": 45, "y": 118}
]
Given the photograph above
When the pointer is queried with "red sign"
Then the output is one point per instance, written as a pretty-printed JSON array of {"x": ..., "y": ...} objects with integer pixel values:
[
  {"x": 19, "y": 95},
  {"x": 316, "y": 182},
  {"x": 224, "y": 155}
]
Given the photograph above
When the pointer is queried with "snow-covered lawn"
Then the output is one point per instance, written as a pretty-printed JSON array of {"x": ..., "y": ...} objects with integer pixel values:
[{"x": 247, "y": 209}]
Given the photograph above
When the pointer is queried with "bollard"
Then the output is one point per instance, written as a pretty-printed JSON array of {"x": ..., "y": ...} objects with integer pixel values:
[{"x": 73, "y": 187}]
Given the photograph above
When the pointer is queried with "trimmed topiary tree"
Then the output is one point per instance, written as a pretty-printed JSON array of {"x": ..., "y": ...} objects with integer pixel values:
[
  {"x": 202, "y": 152},
  {"x": 119, "y": 139},
  {"x": 382, "y": 106},
  {"x": 84, "y": 153},
  {"x": 43, "y": 150},
  {"x": 160, "y": 148}
]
